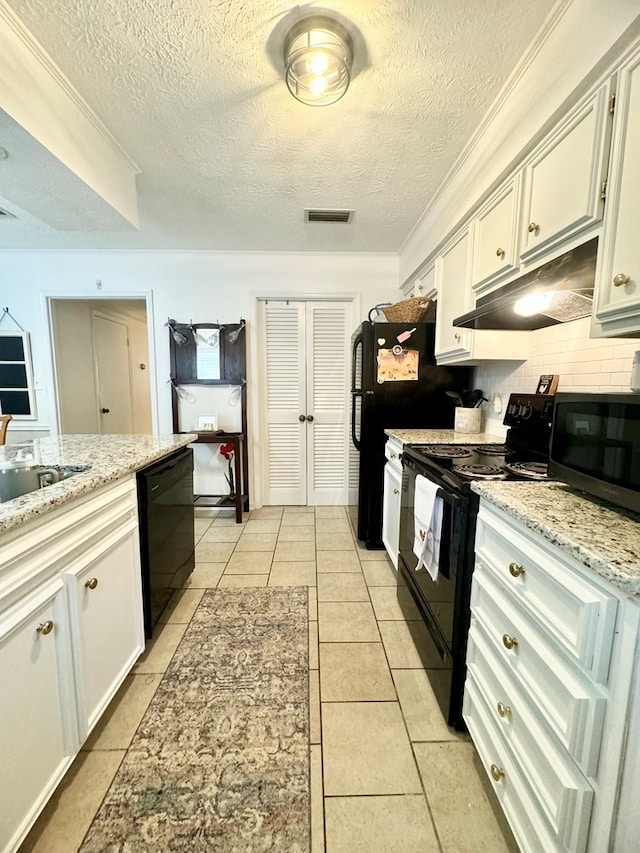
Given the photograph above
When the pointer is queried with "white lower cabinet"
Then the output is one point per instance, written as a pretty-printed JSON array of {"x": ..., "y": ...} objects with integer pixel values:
[
  {"x": 391, "y": 499},
  {"x": 105, "y": 606},
  {"x": 71, "y": 628},
  {"x": 549, "y": 669},
  {"x": 37, "y": 735}
]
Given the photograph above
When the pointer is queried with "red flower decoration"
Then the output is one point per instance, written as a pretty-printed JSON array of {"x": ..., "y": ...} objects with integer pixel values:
[{"x": 227, "y": 450}]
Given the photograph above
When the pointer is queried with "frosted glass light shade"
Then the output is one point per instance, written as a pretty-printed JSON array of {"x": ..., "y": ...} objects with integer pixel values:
[{"x": 318, "y": 53}]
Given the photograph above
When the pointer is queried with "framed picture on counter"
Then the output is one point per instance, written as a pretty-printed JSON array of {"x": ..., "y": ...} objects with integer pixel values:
[
  {"x": 207, "y": 423},
  {"x": 547, "y": 384}
]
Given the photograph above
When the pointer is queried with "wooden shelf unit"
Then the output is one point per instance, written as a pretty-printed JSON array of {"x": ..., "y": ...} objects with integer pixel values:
[{"x": 233, "y": 372}]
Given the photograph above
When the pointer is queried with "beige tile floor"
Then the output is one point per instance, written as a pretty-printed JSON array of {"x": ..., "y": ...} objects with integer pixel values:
[{"x": 387, "y": 774}]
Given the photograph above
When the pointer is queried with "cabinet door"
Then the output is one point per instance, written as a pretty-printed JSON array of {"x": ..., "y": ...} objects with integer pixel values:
[
  {"x": 495, "y": 238},
  {"x": 618, "y": 276},
  {"x": 391, "y": 511},
  {"x": 562, "y": 181},
  {"x": 37, "y": 735},
  {"x": 425, "y": 284},
  {"x": 452, "y": 281},
  {"x": 105, "y": 592}
]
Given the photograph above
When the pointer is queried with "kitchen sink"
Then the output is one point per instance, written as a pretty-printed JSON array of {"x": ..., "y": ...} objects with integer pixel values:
[{"x": 21, "y": 477}]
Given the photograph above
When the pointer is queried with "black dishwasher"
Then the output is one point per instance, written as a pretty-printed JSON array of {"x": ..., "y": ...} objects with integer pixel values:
[{"x": 165, "y": 511}]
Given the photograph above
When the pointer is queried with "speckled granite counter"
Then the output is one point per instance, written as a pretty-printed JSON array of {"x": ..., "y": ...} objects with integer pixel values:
[
  {"x": 602, "y": 538},
  {"x": 110, "y": 457},
  {"x": 442, "y": 436}
]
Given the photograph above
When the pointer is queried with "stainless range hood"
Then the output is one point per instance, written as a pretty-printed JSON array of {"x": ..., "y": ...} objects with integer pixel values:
[{"x": 559, "y": 291}]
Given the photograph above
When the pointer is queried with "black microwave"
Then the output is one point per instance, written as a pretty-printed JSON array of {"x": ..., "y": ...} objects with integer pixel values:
[{"x": 595, "y": 445}]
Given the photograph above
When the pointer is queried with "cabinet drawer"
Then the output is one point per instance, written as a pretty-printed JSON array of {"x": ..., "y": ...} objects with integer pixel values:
[
  {"x": 557, "y": 821},
  {"x": 577, "y": 615},
  {"x": 571, "y": 703},
  {"x": 578, "y": 730}
]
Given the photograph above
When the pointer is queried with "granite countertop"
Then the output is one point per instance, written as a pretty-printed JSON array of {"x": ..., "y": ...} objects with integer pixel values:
[
  {"x": 110, "y": 457},
  {"x": 602, "y": 537},
  {"x": 442, "y": 436}
]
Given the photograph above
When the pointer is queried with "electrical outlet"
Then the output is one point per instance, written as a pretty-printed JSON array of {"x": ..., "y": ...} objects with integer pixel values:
[{"x": 497, "y": 403}]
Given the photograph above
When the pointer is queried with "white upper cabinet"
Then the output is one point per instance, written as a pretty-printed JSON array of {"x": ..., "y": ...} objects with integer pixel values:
[
  {"x": 455, "y": 345},
  {"x": 454, "y": 298},
  {"x": 617, "y": 302},
  {"x": 425, "y": 284},
  {"x": 562, "y": 180},
  {"x": 495, "y": 236}
]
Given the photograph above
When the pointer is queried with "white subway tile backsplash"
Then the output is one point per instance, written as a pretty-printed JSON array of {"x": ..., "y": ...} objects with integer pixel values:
[{"x": 584, "y": 364}]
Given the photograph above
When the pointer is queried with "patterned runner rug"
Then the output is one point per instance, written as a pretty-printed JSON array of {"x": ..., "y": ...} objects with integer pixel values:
[{"x": 220, "y": 761}]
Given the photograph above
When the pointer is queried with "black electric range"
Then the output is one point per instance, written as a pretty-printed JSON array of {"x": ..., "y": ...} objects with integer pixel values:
[{"x": 443, "y": 601}]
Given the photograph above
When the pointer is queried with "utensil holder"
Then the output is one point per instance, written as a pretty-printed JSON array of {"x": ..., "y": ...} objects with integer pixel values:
[{"x": 467, "y": 420}]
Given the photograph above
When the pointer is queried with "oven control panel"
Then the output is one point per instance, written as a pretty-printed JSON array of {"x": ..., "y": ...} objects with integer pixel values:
[{"x": 532, "y": 411}]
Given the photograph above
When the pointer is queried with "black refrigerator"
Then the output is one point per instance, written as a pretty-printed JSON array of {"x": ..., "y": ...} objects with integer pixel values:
[{"x": 395, "y": 384}]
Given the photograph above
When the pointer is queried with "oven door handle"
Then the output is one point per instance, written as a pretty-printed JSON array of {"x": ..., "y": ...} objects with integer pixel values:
[{"x": 450, "y": 498}]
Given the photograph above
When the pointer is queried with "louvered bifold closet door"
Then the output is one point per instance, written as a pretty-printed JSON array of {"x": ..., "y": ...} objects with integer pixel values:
[
  {"x": 327, "y": 396},
  {"x": 284, "y": 375}
]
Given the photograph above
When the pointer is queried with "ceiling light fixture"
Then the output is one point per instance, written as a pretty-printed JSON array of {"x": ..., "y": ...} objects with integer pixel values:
[{"x": 318, "y": 53}]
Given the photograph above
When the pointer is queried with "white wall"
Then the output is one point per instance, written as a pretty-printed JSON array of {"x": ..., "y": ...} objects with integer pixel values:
[
  {"x": 197, "y": 286},
  {"x": 583, "y": 364}
]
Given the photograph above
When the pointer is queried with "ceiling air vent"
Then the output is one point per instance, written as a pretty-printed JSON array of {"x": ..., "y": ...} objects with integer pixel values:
[
  {"x": 344, "y": 216},
  {"x": 4, "y": 214}
]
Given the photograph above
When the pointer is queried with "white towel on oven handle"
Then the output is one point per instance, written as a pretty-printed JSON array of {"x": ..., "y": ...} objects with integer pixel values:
[{"x": 427, "y": 516}]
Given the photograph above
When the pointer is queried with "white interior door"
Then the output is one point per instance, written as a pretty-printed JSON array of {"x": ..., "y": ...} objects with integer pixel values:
[
  {"x": 305, "y": 360},
  {"x": 327, "y": 377},
  {"x": 284, "y": 468},
  {"x": 113, "y": 379}
]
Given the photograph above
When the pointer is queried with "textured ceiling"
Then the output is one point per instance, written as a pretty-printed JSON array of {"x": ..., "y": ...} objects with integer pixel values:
[{"x": 194, "y": 92}]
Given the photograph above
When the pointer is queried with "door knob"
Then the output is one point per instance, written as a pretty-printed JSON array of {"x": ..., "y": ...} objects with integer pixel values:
[
  {"x": 309, "y": 418},
  {"x": 105, "y": 411},
  {"x": 302, "y": 418}
]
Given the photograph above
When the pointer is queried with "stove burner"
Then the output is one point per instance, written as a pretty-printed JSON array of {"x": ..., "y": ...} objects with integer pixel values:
[
  {"x": 446, "y": 451},
  {"x": 481, "y": 472},
  {"x": 491, "y": 449},
  {"x": 530, "y": 470}
]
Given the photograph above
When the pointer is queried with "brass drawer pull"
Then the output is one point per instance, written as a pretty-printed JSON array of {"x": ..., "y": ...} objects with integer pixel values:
[
  {"x": 515, "y": 570},
  {"x": 45, "y": 627},
  {"x": 500, "y": 253},
  {"x": 533, "y": 228},
  {"x": 504, "y": 710},
  {"x": 509, "y": 641},
  {"x": 92, "y": 583},
  {"x": 620, "y": 279},
  {"x": 497, "y": 772}
]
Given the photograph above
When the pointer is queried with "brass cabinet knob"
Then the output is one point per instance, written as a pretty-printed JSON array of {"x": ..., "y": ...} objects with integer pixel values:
[
  {"x": 457, "y": 337},
  {"x": 515, "y": 570},
  {"x": 396, "y": 492},
  {"x": 92, "y": 583},
  {"x": 621, "y": 279},
  {"x": 500, "y": 253},
  {"x": 497, "y": 772},
  {"x": 509, "y": 641},
  {"x": 533, "y": 228},
  {"x": 503, "y": 710},
  {"x": 420, "y": 288},
  {"x": 393, "y": 456},
  {"x": 45, "y": 627}
]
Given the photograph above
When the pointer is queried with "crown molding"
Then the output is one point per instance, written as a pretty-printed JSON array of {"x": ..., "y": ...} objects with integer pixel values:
[
  {"x": 524, "y": 63},
  {"x": 21, "y": 33}
]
